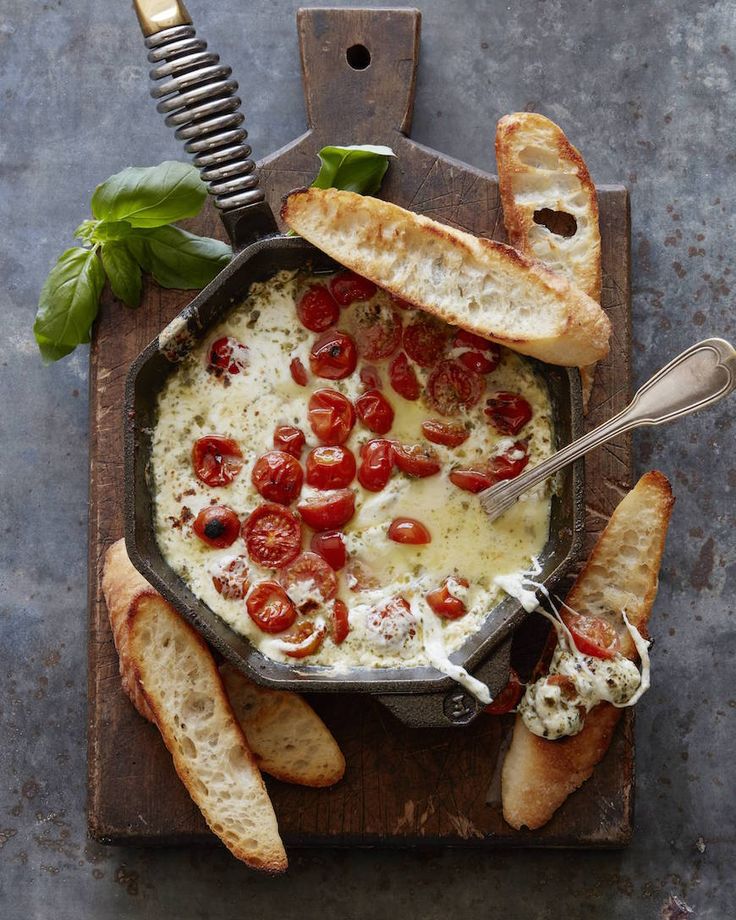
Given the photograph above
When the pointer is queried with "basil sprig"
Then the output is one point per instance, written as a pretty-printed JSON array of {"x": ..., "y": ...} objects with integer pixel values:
[
  {"x": 131, "y": 233},
  {"x": 353, "y": 169}
]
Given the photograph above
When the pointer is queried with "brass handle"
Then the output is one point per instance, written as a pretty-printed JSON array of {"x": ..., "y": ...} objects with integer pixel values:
[{"x": 156, "y": 15}]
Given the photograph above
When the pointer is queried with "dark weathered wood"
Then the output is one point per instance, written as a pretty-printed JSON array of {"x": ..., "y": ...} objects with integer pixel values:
[{"x": 402, "y": 787}]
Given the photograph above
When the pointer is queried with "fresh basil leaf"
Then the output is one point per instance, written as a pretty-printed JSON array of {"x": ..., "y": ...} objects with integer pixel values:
[
  {"x": 178, "y": 259},
  {"x": 68, "y": 303},
  {"x": 354, "y": 169},
  {"x": 150, "y": 196},
  {"x": 85, "y": 230},
  {"x": 106, "y": 230},
  {"x": 123, "y": 272}
]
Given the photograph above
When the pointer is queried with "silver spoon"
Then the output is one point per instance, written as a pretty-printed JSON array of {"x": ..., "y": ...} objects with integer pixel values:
[{"x": 699, "y": 377}]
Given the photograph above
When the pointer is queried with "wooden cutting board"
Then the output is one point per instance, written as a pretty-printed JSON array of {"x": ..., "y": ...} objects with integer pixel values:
[{"x": 402, "y": 787}]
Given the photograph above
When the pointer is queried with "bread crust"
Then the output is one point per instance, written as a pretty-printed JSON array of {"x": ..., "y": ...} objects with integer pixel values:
[
  {"x": 622, "y": 572},
  {"x": 480, "y": 285}
]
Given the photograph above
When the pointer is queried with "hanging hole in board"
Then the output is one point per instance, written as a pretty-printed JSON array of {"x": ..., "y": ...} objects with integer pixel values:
[
  {"x": 358, "y": 56},
  {"x": 558, "y": 222}
]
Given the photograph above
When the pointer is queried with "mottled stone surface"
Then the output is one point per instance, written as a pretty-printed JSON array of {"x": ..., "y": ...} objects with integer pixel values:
[{"x": 647, "y": 92}]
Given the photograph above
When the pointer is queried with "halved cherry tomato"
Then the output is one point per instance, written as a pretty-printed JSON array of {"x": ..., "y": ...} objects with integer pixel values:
[
  {"x": 409, "y": 532},
  {"x": 360, "y": 577},
  {"x": 392, "y": 621},
  {"x": 278, "y": 477},
  {"x": 340, "y": 622},
  {"x": 377, "y": 329},
  {"x": 443, "y": 433},
  {"x": 330, "y": 467},
  {"x": 452, "y": 387},
  {"x": 592, "y": 634},
  {"x": 471, "y": 479},
  {"x": 444, "y": 603},
  {"x": 217, "y": 525},
  {"x": 482, "y": 356},
  {"x": 403, "y": 377},
  {"x": 298, "y": 372},
  {"x": 317, "y": 309},
  {"x": 228, "y": 355},
  {"x": 270, "y": 608},
  {"x": 508, "y": 412},
  {"x": 309, "y": 567},
  {"x": 424, "y": 341},
  {"x": 509, "y": 464},
  {"x": 417, "y": 460},
  {"x": 347, "y": 287},
  {"x": 370, "y": 378},
  {"x": 216, "y": 460},
  {"x": 273, "y": 535},
  {"x": 289, "y": 439},
  {"x": 304, "y": 640},
  {"x": 231, "y": 579},
  {"x": 375, "y": 411},
  {"x": 331, "y": 416},
  {"x": 331, "y": 546},
  {"x": 333, "y": 356},
  {"x": 329, "y": 510},
  {"x": 508, "y": 698},
  {"x": 376, "y": 463}
]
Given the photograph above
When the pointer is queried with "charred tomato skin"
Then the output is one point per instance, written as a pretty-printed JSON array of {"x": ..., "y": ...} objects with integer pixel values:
[{"x": 217, "y": 526}]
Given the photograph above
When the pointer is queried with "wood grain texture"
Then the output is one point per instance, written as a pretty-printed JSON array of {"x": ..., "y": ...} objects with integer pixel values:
[{"x": 402, "y": 786}]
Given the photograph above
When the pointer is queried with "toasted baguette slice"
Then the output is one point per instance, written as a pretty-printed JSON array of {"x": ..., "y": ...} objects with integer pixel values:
[
  {"x": 483, "y": 286},
  {"x": 182, "y": 687},
  {"x": 538, "y": 775},
  {"x": 289, "y": 740},
  {"x": 539, "y": 170}
]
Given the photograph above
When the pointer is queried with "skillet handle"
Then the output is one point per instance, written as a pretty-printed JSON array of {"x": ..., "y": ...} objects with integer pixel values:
[{"x": 197, "y": 96}]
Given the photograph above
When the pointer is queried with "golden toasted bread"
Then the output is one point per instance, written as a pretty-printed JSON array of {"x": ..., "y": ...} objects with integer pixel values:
[
  {"x": 483, "y": 286},
  {"x": 621, "y": 574},
  {"x": 550, "y": 206}
]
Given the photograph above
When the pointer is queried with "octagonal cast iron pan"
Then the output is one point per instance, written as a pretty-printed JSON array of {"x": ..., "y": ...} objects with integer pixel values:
[{"x": 198, "y": 97}]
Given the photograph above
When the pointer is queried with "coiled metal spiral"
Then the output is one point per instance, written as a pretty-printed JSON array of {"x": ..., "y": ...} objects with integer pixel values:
[{"x": 198, "y": 98}]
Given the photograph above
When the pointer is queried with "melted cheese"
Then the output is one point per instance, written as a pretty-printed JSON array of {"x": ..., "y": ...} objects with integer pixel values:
[{"x": 249, "y": 405}]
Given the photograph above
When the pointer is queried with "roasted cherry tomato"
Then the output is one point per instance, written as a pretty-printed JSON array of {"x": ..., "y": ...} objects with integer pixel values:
[
  {"x": 340, "y": 622},
  {"x": 424, "y": 341},
  {"x": 592, "y": 634},
  {"x": 304, "y": 640},
  {"x": 331, "y": 546},
  {"x": 273, "y": 535},
  {"x": 216, "y": 460},
  {"x": 217, "y": 525},
  {"x": 408, "y": 531},
  {"x": 509, "y": 464},
  {"x": 289, "y": 439},
  {"x": 481, "y": 356},
  {"x": 443, "y": 433},
  {"x": 417, "y": 460},
  {"x": 333, "y": 356},
  {"x": 270, "y": 608},
  {"x": 375, "y": 411},
  {"x": 377, "y": 329},
  {"x": 228, "y": 355},
  {"x": 278, "y": 477},
  {"x": 444, "y": 603},
  {"x": 509, "y": 697},
  {"x": 329, "y": 510},
  {"x": 370, "y": 378},
  {"x": 392, "y": 621},
  {"x": 317, "y": 309},
  {"x": 312, "y": 570},
  {"x": 331, "y": 416},
  {"x": 347, "y": 287},
  {"x": 330, "y": 467},
  {"x": 376, "y": 463},
  {"x": 452, "y": 387},
  {"x": 508, "y": 412},
  {"x": 403, "y": 377},
  {"x": 298, "y": 372},
  {"x": 360, "y": 577},
  {"x": 471, "y": 479},
  {"x": 231, "y": 578}
]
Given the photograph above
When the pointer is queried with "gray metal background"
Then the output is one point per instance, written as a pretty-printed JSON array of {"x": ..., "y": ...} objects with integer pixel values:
[{"x": 647, "y": 91}]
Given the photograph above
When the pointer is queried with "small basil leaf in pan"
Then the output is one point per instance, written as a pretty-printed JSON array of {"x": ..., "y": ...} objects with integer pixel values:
[
  {"x": 353, "y": 169},
  {"x": 123, "y": 272},
  {"x": 178, "y": 259},
  {"x": 150, "y": 196}
]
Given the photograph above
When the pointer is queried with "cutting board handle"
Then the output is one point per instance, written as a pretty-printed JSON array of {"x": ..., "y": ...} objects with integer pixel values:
[{"x": 359, "y": 70}]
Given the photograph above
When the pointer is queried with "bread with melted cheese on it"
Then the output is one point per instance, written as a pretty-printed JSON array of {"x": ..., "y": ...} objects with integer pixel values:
[
  {"x": 480, "y": 285},
  {"x": 543, "y": 180},
  {"x": 621, "y": 574}
]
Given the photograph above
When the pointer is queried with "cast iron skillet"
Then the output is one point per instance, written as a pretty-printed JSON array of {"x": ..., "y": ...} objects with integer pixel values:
[{"x": 199, "y": 98}]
